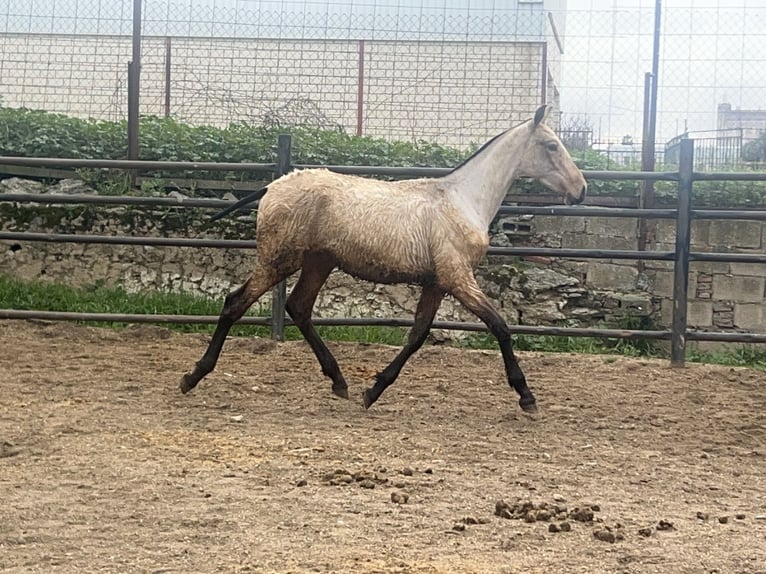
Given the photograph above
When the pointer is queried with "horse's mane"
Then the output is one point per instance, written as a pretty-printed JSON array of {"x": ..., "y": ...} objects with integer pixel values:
[
  {"x": 478, "y": 151},
  {"x": 485, "y": 146}
]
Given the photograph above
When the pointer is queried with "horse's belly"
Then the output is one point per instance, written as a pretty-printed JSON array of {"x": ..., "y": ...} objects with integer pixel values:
[
  {"x": 387, "y": 263},
  {"x": 388, "y": 275}
]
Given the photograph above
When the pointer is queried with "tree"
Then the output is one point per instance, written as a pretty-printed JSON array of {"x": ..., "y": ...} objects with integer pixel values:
[
  {"x": 576, "y": 132},
  {"x": 755, "y": 150}
]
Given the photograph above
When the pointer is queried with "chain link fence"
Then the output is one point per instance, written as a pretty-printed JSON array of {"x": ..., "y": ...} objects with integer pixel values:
[
  {"x": 450, "y": 72},
  {"x": 712, "y": 57}
]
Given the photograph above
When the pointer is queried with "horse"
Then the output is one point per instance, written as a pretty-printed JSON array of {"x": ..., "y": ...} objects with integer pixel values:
[{"x": 431, "y": 232}]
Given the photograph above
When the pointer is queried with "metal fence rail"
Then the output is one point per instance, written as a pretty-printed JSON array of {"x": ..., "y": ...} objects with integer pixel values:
[
  {"x": 683, "y": 214},
  {"x": 624, "y": 254}
]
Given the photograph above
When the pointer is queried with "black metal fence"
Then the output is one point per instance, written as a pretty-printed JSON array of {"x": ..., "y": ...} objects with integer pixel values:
[
  {"x": 715, "y": 149},
  {"x": 682, "y": 255}
]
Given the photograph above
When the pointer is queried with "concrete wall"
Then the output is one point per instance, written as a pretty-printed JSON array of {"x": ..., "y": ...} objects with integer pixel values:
[{"x": 449, "y": 92}]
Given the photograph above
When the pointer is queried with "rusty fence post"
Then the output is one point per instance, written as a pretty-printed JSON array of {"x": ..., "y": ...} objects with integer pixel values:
[{"x": 168, "y": 71}]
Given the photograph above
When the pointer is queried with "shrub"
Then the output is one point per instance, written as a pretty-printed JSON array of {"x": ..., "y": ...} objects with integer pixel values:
[{"x": 36, "y": 133}]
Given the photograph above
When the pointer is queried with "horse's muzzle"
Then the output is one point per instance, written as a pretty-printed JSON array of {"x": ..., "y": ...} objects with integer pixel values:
[{"x": 572, "y": 200}]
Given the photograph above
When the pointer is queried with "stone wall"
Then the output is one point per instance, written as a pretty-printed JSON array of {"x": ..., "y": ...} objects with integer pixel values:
[
  {"x": 525, "y": 292},
  {"x": 722, "y": 296},
  {"x": 532, "y": 291}
]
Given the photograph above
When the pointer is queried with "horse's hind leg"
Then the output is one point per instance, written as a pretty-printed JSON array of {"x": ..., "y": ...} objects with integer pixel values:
[
  {"x": 429, "y": 302},
  {"x": 299, "y": 305},
  {"x": 236, "y": 304}
]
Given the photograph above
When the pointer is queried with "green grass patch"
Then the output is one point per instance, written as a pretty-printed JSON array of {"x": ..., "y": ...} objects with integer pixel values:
[
  {"x": 752, "y": 356},
  {"x": 98, "y": 298},
  {"x": 561, "y": 344}
]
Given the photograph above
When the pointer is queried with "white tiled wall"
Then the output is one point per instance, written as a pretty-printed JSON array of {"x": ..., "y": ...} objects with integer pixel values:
[{"x": 450, "y": 92}]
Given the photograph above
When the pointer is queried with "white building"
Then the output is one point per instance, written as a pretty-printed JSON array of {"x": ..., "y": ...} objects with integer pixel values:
[{"x": 453, "y": 71}]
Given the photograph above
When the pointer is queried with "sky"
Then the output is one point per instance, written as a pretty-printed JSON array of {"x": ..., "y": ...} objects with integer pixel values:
[{"x": 710, "y": 52}]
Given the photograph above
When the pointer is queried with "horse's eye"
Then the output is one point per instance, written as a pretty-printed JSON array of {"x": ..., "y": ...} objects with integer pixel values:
[{"x": 552, "y": 146}]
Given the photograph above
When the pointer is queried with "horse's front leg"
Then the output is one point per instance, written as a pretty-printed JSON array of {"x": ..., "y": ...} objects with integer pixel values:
[
  {"x": 467, "y": 291},
  {"x": 429, "y": 302}
]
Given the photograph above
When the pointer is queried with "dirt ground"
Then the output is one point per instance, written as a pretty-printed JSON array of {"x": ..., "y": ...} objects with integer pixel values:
[{"x": 106, "y": 467}]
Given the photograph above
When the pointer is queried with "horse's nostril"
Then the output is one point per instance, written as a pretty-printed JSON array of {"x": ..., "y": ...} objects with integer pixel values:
[{"x": 583, "y": 192}]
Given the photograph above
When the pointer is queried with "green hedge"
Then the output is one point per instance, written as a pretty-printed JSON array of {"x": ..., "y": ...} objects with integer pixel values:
[{"x": 35, "y": 133}]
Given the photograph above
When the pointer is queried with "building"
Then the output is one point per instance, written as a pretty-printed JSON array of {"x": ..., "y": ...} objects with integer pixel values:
[
  {"x": 456, "y": 74},
  {"x": 751, "y": 123}
]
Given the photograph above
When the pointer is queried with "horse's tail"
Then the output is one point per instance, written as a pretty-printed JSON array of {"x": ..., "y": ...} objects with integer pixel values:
[{"x": 255, "y": 196}]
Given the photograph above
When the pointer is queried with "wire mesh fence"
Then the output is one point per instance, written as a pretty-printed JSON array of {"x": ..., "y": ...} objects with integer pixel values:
[
  {"x": 711, "y": 75},
  {"x": 444, "y": 71}
]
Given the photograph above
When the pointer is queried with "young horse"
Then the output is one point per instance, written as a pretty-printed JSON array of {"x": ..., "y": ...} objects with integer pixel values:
[{"x": 431, "y": 232}]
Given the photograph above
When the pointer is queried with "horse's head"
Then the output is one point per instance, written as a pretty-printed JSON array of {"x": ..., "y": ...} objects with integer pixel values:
[{"x": 547, "y": 160}]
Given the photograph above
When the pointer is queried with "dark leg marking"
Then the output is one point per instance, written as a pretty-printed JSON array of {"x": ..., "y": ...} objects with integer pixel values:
[
  {"x": 471, "y": 296},
  {"x": 300, "y": 304},
  {"x": 429, "y": 302},
  {"x": 235, "y": 305}
]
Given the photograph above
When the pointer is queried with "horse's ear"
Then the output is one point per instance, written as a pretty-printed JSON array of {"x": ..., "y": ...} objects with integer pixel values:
[{"x": 541, "y": 114}]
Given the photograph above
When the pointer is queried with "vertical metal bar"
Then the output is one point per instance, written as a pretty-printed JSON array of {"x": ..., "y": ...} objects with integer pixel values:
[
  {"x": 134, "y": 82},
  {"x": 649, "y": 145},
  {"x": 360, "y": 92},
  {"x": 646, "y": 188},
  {"x": 279, "y": 293},
  {"x": 645, "y": 136},
  {"x": 683, "y": 240},
  {"x": 168, "y": 56},
  {"x": 544, "y": 82},
  {"x": 137, "y": 5},
  {"x": 655, "y": 76}
]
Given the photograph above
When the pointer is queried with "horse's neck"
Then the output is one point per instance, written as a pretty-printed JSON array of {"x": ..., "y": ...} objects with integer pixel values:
[{"x": 478, "y": 187}]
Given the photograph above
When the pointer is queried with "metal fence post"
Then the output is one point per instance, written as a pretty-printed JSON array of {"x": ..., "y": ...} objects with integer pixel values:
[
  {"x": 683, "y": 241},
  {"x": 279, "y": 293},
  {"x": 168, "y": 71},
  {"x": 134, "y": 78}
]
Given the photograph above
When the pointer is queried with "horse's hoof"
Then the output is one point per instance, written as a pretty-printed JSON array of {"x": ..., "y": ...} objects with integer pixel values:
[
  {"x": 342, "y": 392},
  {"x": 367, "y": 399},
  {"x": 187, "y": 383},
  {"x": 528, "y": 406}
]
